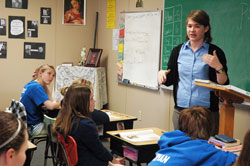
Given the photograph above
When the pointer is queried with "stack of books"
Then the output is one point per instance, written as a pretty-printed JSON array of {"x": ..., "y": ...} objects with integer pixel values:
[{"x": 234, "y": 147}]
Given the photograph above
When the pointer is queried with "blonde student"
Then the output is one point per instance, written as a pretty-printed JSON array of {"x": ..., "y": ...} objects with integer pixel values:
[
  {"x": 36, "y": 95},
  {"x": 13, "y": 140},
  {"x": 74, "y": 120}
]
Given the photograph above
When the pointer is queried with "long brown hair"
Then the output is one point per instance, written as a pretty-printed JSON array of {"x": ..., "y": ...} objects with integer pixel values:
[
  {"x": 244, "y": 158},
  {"x": 8, "y": 126},
  {"x": 75, "y": 106},
  {"x": 196, "y": 122},
  {"x": 201, "y": 17}
]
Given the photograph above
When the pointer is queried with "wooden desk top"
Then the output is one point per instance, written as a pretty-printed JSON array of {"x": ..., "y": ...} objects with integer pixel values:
[
  {"x": 222, "y": 88},
  {"x": 157, "y": 131},
  {"x": 117, "y": 116},
  {"x": 31, "y": 146}
]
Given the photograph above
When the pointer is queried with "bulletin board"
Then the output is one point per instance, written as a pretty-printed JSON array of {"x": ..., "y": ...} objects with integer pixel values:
[{"x": 139, "y": 48}]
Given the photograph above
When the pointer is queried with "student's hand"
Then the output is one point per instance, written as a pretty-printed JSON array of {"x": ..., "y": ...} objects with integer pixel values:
[
  {"x": 118, "y": 161},
  {"x": 162, "y": 76},
  {"x": 112, "y": 164},
  {"x": 212, "y": 60}
]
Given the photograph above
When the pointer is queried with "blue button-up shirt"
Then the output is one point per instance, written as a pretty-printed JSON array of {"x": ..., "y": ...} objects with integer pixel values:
[{"x": 190, "y": 67}]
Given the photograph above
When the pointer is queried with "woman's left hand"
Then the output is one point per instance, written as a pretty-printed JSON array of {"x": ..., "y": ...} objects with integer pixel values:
[
  {"x": 118, "y": 161},
  {"x": 212, "y": 60}
]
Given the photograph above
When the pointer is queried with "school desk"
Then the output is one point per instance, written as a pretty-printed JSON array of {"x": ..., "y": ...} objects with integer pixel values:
[
  {"x": 145, "y": 150},
  {"x": 96, "y": 75},
  {"x": 31, "y": 146},
  {"x": 118, "y": 121}
]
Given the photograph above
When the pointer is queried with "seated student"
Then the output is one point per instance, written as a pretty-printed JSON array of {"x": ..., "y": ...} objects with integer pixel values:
[
  {"x": 189, "y": 145},
  {"x": 74, "y": 120},
  {"x": 13, "y": 140},
  {"x": 35, "y": 94},
  {"x": 99, "y": 117},
  {"x": 244, "y": 157}
]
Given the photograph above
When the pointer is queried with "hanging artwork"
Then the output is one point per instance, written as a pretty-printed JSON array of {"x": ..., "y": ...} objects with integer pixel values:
[
  {"x": 74, "y": 12},
  {"x": 2, "y": 26},
  {"x": 32, "y": 30},
  {"x": 3, "y": 49},
  {"x": 16, "y": 27},
  {"x": 45, "y": 16},
  {"x": 18, "y": 4},
  {"x": 34, "y": 50}
]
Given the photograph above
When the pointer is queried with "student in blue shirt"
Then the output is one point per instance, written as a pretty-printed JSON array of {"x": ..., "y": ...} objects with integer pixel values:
[
  {"x": 36, "y": 94},
  {"x": 189, "y": 145},
  {"x": 74, "y": 120},
  {"x": 197, "y": 58}
]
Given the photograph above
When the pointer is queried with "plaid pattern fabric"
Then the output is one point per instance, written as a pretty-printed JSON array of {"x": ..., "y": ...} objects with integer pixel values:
[{"x": 18, "y": 109}]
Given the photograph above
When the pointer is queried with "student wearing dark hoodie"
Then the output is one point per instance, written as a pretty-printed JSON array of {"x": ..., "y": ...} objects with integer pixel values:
[{"x": 189, "y": 145}]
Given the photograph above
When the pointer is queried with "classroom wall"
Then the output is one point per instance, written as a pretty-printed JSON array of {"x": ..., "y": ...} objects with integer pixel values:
[
  {"x": 64, "y": 43},
  {"x": 156, "y": 106}
]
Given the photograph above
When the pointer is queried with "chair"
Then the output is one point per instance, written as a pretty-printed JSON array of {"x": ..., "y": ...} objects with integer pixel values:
[
  {"x": 51, "y": 141},
  {"x": 67, "y": 148},
  {"x": 18, "y": 109}
]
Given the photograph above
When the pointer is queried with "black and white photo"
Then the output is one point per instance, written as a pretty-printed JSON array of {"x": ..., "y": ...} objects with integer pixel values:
[
  {"x": 18, "y": 4},
  {"x": 2, "y": 26},
  {"x": 34, "y": 50},
  {"x": 3, "y": 49},
  {"x": 45, "y": 16},
  {"x": 32, "y": 30},
  {"x": 17, "y": 27}
]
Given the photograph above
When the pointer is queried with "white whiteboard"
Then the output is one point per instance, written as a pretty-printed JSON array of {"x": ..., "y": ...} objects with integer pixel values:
[{"x": 142, "y": 48}]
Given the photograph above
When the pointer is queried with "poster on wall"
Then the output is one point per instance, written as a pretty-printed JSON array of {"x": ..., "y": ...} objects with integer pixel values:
[
  {"x": 34, "y": 50},
  {"x": 45, "y": 16},
  {"x": 18, "y": 4},
  {"x": 2, "y": 26},
  {"x": 32, "y": 28},
  {"x": 16, "y": 27},
  {"x": 74, "y": 12},
  {"x": 3, "y": 49}
]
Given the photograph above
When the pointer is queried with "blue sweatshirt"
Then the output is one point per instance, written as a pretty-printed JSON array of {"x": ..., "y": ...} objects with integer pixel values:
[{"x": 177, "y": 149}]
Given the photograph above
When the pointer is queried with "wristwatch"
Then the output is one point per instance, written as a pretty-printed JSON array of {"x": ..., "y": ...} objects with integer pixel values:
[{"x": 220, "y": 71}]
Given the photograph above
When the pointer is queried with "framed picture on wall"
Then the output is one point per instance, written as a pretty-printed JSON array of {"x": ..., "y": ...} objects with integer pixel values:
[
  {"x": 3, "y": 49},
  {"x": 45, "y": 16},
  {"x": 17, "y": 27},
  {"x": 2, "y": 26},
  {"x": 93, "y": 58},
  {"x": 34, "y": 50},
  {"x": 32, "y": 28},
  {"x": 74, "y": 12},
  {"x": 18, "y": 4}
]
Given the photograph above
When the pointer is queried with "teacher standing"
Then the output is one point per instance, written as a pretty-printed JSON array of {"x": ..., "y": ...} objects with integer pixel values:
[{"x": 197, "y": 58}]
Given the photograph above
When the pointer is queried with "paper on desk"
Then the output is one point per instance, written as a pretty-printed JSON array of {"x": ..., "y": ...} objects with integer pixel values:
[
  {"x": 140, "y": 136},
  {"x": 230, "y": 87},
  {"x": 112, "y": 117}
]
